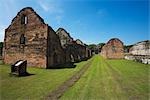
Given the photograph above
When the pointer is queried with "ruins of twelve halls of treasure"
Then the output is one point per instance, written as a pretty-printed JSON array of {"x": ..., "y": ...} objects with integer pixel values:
[{"x": 29, "y": 38}]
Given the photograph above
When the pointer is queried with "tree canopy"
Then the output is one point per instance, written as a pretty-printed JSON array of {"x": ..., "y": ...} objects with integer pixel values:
[{"x": 1, "y": 44}]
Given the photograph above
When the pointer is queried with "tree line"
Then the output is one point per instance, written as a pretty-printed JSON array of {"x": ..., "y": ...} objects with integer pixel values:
[{"x": 1, "y": 48}]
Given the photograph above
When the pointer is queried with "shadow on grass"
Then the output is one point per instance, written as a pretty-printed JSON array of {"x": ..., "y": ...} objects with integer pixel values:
[
  {"x": 62, "y": 66},
  {"x": 84, "y": 59},
  {"x": 67, "y": 65},
  {"x": 22, "y": 75}
]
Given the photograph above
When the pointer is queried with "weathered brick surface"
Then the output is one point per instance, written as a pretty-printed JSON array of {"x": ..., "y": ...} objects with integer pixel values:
[
  {"x": 113, "y": 49},
  {"x": 41, "y": 42},
  {"x": 56, "y": 54},
  {"x": 140, "y": 52},
  {"x": 75, "y": 50},
  {"x": 140, "y": 48},
  {"x": 64, "y": 37}
]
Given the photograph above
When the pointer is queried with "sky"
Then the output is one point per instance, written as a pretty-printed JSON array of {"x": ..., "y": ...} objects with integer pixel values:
[{"x": 92, "y": 21}]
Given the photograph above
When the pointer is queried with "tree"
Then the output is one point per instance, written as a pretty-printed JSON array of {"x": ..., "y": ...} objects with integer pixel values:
[
  {"x": 1, "y": 48},
  {"x": 1, "y": 44},
  {"x": 92, "y": 46},
  {"x": 127, "y": 48}
]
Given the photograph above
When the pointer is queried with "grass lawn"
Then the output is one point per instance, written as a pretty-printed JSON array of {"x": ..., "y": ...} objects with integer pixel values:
[
  {"x": 33, "y": 87},
  {"x": 111, "y": 80}
]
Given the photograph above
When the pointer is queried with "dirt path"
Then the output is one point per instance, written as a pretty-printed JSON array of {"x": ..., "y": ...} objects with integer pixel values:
[{"x": 56, "y": 94}]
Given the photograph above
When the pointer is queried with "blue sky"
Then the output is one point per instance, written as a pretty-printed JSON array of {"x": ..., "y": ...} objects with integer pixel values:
[{"x": 92, "y": 21}]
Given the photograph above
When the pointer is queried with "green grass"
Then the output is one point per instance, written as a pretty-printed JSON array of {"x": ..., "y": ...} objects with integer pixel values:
[
  {"x": 104, "y": 80},
  {"x": 111, "y": 80},
  {"x": 33, "y": 87},
  {"x": 1, "y": 62}
]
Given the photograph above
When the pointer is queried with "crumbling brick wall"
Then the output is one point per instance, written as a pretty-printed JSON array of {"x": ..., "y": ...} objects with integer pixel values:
[
  {"x": 74, "y": 50},
  {"x": 29, "y": 38},
  {"x": 25, "y": 39},
  {"x": 55, "y": 54},
  {"x": 113, "y": 49},
  {"x": 141, "y": 48}
]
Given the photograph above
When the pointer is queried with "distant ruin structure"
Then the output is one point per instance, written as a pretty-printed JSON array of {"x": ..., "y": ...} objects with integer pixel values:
[
  {"x": 113, "y": 49},
  {"x": 75, "y": 50},
  {"x": 141, "y": 48},
  {"x": 140, "y": 52}
]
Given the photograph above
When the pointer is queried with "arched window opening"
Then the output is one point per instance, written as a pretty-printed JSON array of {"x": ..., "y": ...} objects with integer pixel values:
[
  {"x": 24, "y": 19},
  {"x": 113, "y": 48},
  {"x": 22, "y": 39},
  {"x": 72, "y": 58}
]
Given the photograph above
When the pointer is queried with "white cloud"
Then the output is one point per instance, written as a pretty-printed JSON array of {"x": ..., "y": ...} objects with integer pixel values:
[
  {"x": 53, "y": 8},
  {"x": 45, "y": 7},
  {"x": 2, "y": 32},
  {"x": 8, "y": 7},
  {"x": 58, "y": 19},
  {"x": 50, "y": 6}
]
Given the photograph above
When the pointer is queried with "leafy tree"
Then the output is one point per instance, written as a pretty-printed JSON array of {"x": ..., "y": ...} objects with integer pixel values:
[
  {"x": 127, "y": 48},
  {"x": 92, "y": 46},
  {"x": 1, "y": 44},
  {"x": 101, "y": 44},
  {"x": 96, "y": 47},
  {"x": 1, "y": 48}
]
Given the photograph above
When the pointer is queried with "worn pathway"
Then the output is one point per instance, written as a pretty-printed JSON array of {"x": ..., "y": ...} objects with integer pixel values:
[
  {"x": 111, "y": 80},
  {"x": 56, "y": 94}
]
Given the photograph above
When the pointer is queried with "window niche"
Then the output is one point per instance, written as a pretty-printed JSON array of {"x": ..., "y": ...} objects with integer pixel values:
[
  {"x": 22, "y": 39},
  {"x": 24, "y": 19},
  {"x": 113, "y": 48}
]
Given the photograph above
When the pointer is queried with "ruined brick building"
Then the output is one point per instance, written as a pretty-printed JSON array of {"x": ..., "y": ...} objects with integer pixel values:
[
  {"x": 113, "y": 49},
  {"x": 75, "y": 50},
  {"x": 64, "y": 37},
  {"x": 67, "y": 44},
  {"x": 140, "y": 52},
  {"x": 141, "y": 48},
  {"x": 83, "y": 50},
  {"x": 29, "y": 38}
]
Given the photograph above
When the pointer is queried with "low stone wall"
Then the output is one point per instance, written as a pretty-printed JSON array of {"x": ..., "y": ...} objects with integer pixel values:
[{"x": 145, "y": 59}]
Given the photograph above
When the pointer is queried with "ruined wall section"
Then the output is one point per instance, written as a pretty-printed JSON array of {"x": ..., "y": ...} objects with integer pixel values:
[
  {"x": 81, "y": 50},
  {"x": 55, "y": 52},
  {"x": 26, "y": 39},
  {"x": 113, "y": 49},
  {"x": 140, "y": 52},
  {"x": 67, "y": 44},
  {"x": 64, "y": 37},
  {"x": 141, "y": 48}
]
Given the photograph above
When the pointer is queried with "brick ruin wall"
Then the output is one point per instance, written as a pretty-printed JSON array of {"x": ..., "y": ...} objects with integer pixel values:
[
  {"x": 55, "y": 53},
  {"x": 35, "y": 35},
  {"x": 113, "y": 49},
  {"x": 140, "y": 52},
  {"x": 29, "y": 38},
  {"x": 75, "y": 50}
]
